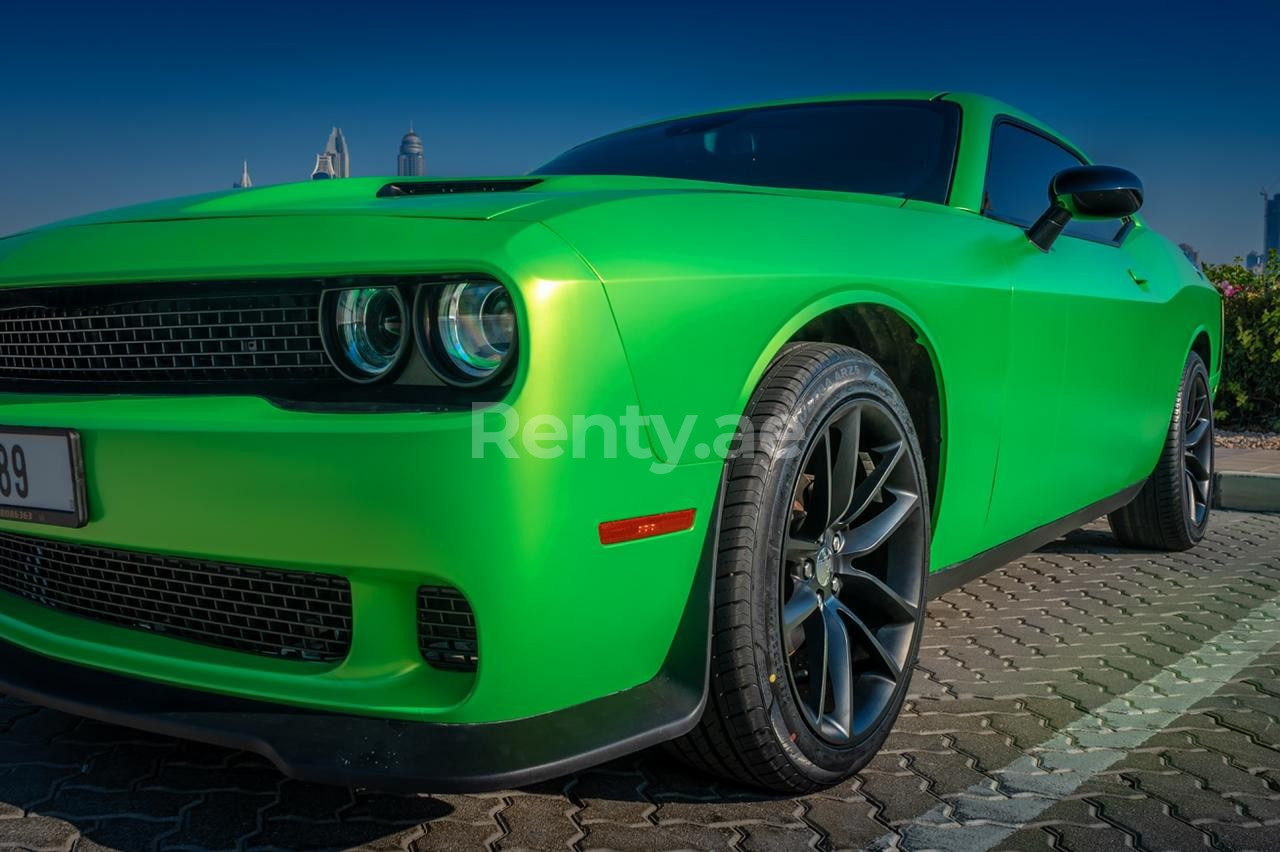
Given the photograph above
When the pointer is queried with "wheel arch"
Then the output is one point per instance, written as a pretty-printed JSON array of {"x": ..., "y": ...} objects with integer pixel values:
[
  {"x": 1202, "y": 345},
  {"x": 1201, "y": 341},
  {"x": 892, "y": 334}
]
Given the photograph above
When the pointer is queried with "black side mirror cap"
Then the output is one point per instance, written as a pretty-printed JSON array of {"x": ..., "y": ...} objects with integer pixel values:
[{"x": 1087, "y": 192}]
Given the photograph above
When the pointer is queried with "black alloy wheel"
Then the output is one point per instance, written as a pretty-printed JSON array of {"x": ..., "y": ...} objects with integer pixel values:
[
  {"x": 850, "y": 581},
  {"x": 1197, "y": 443},
  {"x": 821, "y": 562}
]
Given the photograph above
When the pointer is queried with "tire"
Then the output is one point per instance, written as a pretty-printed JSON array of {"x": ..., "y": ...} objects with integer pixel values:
[
  {"x": 1171, "y": 512},
  {"x": 821, "y": 410}
]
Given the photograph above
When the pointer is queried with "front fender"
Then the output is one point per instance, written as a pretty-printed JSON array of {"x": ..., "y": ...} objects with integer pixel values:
[{"x": 705, "y": 289}]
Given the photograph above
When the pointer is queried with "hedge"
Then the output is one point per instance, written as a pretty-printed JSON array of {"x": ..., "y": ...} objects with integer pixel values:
[{"x": 1249, "y": 397}]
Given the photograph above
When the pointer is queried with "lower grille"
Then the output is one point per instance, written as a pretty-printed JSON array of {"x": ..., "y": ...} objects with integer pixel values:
[
  {"x": 292, "y": 614},
  {"x": 447, "y": 629}
]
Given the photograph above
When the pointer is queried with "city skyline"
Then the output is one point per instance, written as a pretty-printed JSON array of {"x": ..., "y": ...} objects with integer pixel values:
[
  {"x": 1271, "y": 233},
  {"x": 335, "y": 162},
  {"x": 1182, "y": 105}
]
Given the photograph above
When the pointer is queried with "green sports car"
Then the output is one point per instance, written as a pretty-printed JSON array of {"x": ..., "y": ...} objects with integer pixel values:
[{"x": 462, "y": 484}]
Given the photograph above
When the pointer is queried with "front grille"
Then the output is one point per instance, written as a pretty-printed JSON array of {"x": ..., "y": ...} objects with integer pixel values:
[
  {"x": 101, "y": 335},
  {"x": 293, "y": 614},
  {"x": 447, "y": 629}
]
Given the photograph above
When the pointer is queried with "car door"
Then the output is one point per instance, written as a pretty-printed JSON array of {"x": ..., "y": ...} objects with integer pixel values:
[{"x": 1075, "y": 423}]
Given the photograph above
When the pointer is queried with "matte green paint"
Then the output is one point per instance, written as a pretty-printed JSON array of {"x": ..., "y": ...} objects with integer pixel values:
[{"x": 1057, "y": 374}]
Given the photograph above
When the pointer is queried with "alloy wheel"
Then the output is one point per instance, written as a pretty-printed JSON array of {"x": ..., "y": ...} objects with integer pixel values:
[
  {"x": 852, "y": 572},
  {"x": 1197, "y": 453}
]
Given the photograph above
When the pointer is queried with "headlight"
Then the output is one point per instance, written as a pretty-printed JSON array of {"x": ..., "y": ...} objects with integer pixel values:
[
  {"x": 473, "y": 326},
  {"x": 367, "y": 336}
]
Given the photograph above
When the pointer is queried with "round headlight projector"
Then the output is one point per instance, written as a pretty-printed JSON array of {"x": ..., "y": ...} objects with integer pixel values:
[
  {"x": 369, "y": 334},
  {"x": 474, "y": 329}
]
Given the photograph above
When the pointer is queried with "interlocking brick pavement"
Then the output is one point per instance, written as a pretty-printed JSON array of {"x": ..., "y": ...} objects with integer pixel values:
[{"x": 1008, "y": 663}]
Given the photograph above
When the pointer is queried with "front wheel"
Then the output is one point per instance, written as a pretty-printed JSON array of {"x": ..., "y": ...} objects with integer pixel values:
[
  {"x": 1171, "y": 511},
  {"x": 820, "y": 578}
]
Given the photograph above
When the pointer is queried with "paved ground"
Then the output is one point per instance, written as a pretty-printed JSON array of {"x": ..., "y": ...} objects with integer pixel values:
[
  {"x": 1246, "y": 460},
  {"x": 1083, "y": 698}
]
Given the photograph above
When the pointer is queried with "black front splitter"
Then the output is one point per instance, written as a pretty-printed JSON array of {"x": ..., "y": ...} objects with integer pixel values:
[{"x": 385, "y": 754}]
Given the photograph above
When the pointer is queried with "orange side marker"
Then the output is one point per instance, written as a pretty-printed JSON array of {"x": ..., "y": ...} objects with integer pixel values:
[{"x": 647, "y": 526}]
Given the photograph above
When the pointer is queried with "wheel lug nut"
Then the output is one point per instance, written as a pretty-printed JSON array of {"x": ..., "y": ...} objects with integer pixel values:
[
  {"x": 837, "y": 542},
  {"x": 835, "y": 584},
  {"x": 808, "y": 569}
]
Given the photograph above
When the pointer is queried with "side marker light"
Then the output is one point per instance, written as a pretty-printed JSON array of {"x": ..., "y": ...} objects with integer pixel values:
[{"x": 647, "y": 526}]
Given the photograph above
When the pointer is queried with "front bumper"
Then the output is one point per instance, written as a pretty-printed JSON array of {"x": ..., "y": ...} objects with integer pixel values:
[
  {"x": 390, "y": 754},
  {"x": 390, "y": 503},
  {"x": 395, "y": 754}
]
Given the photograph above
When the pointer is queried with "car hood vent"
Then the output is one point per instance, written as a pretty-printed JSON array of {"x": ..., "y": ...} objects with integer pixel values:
[{"x": 451, "y": 187}]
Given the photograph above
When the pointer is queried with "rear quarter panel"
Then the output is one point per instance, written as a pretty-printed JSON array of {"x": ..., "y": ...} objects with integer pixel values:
[{"x": 1195, "y": 305}]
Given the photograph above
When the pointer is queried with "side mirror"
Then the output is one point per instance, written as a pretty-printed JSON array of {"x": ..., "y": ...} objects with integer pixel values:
[{"x": 1087, "y": 192}]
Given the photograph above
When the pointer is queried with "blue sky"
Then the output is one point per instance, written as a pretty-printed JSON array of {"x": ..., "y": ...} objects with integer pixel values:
[{"x": 110, "y": 103}]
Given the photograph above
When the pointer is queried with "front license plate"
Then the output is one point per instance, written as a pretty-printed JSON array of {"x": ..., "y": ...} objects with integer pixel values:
[{"x": 42, "y": 476}]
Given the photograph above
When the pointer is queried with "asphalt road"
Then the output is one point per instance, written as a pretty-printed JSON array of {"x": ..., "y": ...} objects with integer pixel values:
[{"x": 1085, "y": 698}]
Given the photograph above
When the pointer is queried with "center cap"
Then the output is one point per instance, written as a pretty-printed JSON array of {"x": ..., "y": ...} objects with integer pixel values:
[{"x": 824, "y": 566}]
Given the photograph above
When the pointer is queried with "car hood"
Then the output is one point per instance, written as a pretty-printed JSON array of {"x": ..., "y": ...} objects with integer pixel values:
[{"x": 521, "y": 198}]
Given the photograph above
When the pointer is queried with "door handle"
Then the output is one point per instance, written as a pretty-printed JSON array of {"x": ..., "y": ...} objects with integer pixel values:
[{"x": 1137, "y": 279}]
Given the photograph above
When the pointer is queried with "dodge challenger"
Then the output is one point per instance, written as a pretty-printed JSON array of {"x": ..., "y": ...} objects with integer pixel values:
[{"x": 445, "y": 484}]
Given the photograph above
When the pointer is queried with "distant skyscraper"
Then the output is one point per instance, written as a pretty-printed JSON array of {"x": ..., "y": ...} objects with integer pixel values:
[
  {"x": 335, "y": 160},
  {"x": 245, "y": 181},
  {"x": 336, "y": 148},
  {"x": 1253, "y": 260},
  {"x": 1271, "y": 232},
  {"x": 324, "y": 168},
  {"x": 1191, "y": 253},
  {"x": 411, "y": 163}
]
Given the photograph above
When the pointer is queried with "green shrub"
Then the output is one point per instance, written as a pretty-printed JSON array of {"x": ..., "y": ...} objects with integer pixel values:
[{"x": 1249, "y": 397}]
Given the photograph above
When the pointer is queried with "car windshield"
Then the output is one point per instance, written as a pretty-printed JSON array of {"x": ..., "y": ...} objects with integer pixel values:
[{"x": 900, "y": 148}]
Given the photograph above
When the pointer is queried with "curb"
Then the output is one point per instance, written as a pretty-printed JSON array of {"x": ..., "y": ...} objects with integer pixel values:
[{"x": 1247, "y": 492}]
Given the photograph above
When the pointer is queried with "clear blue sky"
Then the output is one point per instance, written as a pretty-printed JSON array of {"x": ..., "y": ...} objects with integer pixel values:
[{"x": 107, "y": 103}]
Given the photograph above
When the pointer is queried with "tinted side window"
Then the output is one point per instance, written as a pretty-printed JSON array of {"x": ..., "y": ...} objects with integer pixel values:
[{"x": 1017, "y": 188}]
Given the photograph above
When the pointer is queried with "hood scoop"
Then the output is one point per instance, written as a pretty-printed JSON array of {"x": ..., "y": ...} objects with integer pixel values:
[{"x": 453, "y": 187}]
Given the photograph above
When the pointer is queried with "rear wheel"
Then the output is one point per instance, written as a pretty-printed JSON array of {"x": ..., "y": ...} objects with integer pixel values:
[
  {"x": 1171, "y": 511},
  {"x": 820, "y": 576}
]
